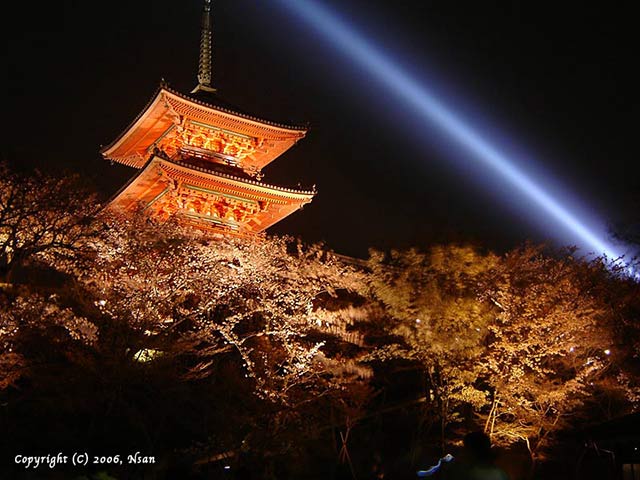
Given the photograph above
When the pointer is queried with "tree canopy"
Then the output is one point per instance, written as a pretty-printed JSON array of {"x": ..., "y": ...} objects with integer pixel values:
[{"x": 133, "y": 334}]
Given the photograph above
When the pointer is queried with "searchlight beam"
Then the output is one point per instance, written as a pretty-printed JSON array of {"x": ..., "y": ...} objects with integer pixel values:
[{"x": 420, "y": 98}]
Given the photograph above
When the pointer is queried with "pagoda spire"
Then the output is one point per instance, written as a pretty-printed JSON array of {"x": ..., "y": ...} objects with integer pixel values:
[{"x": 204, "y": 63}]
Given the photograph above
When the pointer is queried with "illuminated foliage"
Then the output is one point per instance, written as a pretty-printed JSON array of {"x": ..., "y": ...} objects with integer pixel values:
[
  {"x": 521, "y": 344},
  {"x": 137, "y": 299},
  {"x": 439, "y": 322},
  {"x": 250, "y": 344},
  {"x": 255, "y": 298},
  {"x": 40, "y": 215},
  {"x": 547, "y": 346}
]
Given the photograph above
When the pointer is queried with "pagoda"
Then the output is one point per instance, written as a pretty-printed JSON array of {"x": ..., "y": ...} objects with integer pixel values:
[{"x": 201, "y": 160}]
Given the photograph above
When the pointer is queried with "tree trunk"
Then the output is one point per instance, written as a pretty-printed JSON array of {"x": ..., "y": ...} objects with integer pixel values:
[
  {"x": 491, "y": 418},
  {"x": 532, "y": 467},
  {"x": 532, "y": 458},
  {"x": 443, "y": 424}
]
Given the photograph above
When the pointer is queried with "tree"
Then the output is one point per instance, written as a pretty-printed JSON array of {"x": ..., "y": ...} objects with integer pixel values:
[
  {"x": 40, "y": 215},
  {"x": 216, "y": 296},
  {"x": 164, "y": 304},
  {"x": 548, "y": 345},
  {"x": 195, "y": 347},
  {"x": 438, "y": 322},
  {"x": 523, "y": 344}
]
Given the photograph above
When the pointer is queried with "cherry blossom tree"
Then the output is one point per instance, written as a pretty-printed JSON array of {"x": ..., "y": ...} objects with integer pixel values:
[
  {"x": 257, "y": 298},
  {"x": 257, "y": 342},
  {"x": 40, "y": 214},
  {"x": 142, "y": 293}
]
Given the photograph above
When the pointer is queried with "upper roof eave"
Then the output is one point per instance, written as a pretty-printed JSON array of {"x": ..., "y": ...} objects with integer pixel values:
[
  {"x": 164, "y": 87},
  {"x": 153, "y": 98},
  {"x": 292, "y": 127}
]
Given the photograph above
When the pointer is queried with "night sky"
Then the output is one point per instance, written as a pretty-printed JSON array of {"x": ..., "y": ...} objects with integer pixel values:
[{"x": 558, "y": 76}]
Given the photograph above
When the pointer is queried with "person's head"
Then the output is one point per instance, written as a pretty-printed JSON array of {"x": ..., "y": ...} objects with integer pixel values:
[{"x": 478, "y": 446}]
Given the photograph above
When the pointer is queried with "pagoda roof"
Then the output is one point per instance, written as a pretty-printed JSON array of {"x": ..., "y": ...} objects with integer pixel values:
[
  {"x": 213, "y": 100},
  {"x": 249, "y": 183},
  {"x": 169, "y": 108},
  {"x": 160, "y": 175}
]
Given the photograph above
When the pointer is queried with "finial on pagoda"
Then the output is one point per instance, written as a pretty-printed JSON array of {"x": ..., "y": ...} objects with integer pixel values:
[{"x": 204, "y": 63}]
